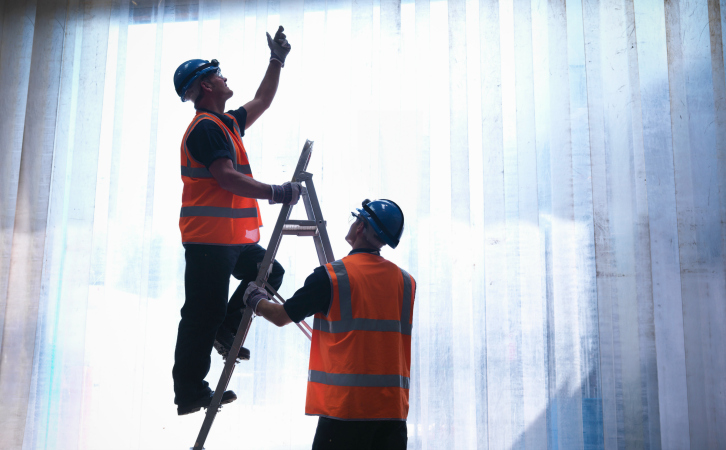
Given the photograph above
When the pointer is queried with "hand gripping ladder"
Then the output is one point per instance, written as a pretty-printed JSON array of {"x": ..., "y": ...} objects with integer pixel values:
[{"x": 315, "y": 227}]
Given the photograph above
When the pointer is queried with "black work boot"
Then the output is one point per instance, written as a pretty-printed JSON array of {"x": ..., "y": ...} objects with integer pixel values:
[
  {"x": 223, "y": 344},
  {"x": 203, "y": 402}
]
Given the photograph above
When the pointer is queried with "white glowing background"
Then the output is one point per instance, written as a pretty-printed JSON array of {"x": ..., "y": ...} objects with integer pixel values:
[{"x": 562, "y": 168}]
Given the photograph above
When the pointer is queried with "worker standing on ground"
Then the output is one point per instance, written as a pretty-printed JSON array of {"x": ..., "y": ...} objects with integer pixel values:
[
  {"x": 220, "y": 219},
  {"x": 360, "y": 356}
]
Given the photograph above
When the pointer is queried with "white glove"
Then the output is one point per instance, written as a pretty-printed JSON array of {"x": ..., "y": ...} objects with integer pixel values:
[
  {"x": 254, "y": 295},
  {"x": 279, "y": 47},
  {"x": 287, "y": 194}
]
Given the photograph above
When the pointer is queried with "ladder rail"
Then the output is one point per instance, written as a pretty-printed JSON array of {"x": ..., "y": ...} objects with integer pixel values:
[
  {"x": 317, "y": 215},
  {"x": 275, "y": 240},
  {"x": 325, "y": 255},
  {"x": 223, "y": 382},
  {"x": 311, "y": 216}
]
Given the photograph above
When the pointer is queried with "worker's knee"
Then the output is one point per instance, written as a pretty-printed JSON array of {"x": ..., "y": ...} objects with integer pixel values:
[
  {"x": 276, "y": 275},
  {"x": 277, "y": 269}
]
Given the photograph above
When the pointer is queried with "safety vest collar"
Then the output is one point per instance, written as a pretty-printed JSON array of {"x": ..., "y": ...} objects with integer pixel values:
[
  {"x": 347, "y": 323},
  {"x": 371, "y": 251},
  {"x": 235, "y": 124},
  {"x": 202, "y": 172},
  {"x": 221, "y": 117}
]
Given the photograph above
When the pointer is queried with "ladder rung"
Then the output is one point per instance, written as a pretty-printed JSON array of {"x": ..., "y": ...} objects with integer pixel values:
[
  {"x": 299, "y": 230},
  {"x": 302, "y": 223}
]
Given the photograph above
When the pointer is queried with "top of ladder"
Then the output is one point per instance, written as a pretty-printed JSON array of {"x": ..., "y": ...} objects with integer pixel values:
[{"x": 302, "y": 163}]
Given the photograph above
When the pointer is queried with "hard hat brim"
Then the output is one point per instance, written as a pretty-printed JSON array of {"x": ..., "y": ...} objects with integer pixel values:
[
  {"x": 393, "y": 243},
  {"x": 194, "y": 75}
]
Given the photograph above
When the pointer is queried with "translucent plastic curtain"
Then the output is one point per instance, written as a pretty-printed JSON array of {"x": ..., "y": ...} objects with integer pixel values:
[{"x": 562, "y": 168}]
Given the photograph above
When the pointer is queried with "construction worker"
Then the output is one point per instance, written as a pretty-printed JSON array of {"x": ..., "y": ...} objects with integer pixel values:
[
  {"x": 220, "y": 219},
  {"x": 360, "y": 356}
]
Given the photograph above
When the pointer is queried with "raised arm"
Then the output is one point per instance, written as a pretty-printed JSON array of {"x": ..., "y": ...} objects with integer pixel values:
[
  {"x": 279, "y": 48},
  {"x": 265, "y": 93}
]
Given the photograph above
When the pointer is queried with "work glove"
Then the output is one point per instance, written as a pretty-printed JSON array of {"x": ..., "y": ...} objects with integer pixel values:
[
  {"x": 279, "y": 47},
  {"x": 287, "y": 194},
  {"x": 254, "y": 295}
]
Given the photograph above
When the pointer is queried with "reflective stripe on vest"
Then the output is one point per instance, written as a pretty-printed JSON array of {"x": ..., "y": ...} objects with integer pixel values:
[
  {"x": 360, "y": 354},
  {"x": 203, "y": 172},
  {"x": 216, "y": 211},
  {"x": 358, "y": 380},
  {"x": 348, "y": 323}
]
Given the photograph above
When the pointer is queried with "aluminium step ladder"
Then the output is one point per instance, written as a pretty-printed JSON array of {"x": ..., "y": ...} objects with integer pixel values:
[{"x": 315, "y": 227}]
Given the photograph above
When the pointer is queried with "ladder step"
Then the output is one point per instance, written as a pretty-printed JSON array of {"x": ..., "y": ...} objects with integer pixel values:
[{"x": 300, "y": 230}]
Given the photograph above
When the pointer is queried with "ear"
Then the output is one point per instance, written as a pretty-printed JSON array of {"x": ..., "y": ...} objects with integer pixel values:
[
  {"x": 206, "y": 85},
  {"x": 361, "y": 228}
]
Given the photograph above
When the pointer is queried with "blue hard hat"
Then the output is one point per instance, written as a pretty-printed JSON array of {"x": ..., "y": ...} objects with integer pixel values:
[
  {"x": 386, "y": 219},
  {"x": 189, "y": 71}
]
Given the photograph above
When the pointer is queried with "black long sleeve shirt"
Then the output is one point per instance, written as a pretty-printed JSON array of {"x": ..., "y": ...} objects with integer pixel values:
[{"x": 207, "y": 142}]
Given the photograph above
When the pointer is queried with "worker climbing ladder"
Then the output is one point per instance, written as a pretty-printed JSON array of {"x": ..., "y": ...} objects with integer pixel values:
[{"x": 315, "y": 227}]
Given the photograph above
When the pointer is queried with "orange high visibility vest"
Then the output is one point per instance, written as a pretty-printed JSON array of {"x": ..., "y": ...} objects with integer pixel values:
[
  {"x": 360, "y": 356},
  {"x": 209, "y": 214}
]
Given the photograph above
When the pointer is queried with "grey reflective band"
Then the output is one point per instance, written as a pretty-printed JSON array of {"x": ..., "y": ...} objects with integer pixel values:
[
  {"x": 406, "y": 309},
  {"x": 346, "y": 307},
  {"x": 226, "y": 130},
  {"x": 231, "y": 143},
  {"x": 201, "y": 172},
  {"x": 217, "y": 211},
  {"x": 347, "y": 323},
  {"x": 195, "y": 172},
  {"x": 345, "y": 326},
  {"x": 233, "y": 150},
  {"x": 358, "y": 380},
  {"x": 234, "y": 122}
]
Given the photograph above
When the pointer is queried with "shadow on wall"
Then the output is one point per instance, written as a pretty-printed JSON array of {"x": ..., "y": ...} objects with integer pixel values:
[{"x": 571, "y": 420}]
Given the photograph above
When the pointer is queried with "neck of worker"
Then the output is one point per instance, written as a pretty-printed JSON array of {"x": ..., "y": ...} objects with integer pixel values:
[
  {"x": 211, "y": 104},
  {"x": 361, "y": 242}
]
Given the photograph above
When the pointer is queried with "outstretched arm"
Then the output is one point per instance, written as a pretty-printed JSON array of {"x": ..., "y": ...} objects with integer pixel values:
[
  {"x": 313, "y": 297},
  {"x": 232, "y": 181},
  {"x": 265, "y": 93},
  {"x": 279, "y": 48},
  {"x": 273, "y": 312},
  {"x": 256, "y": 298}
]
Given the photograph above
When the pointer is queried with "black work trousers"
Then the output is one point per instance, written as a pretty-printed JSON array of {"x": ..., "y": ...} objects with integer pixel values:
[
  {"x": 206, "y": 284},
  {"x": 333, "y": 434}
]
